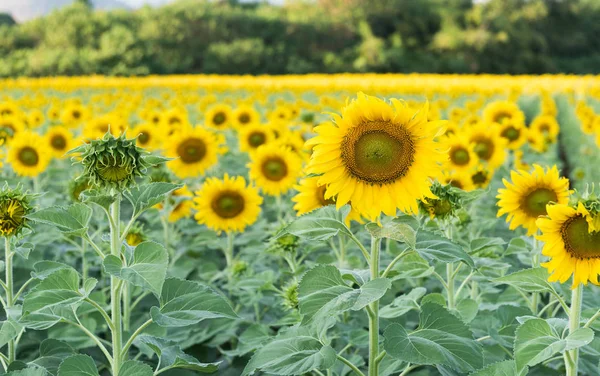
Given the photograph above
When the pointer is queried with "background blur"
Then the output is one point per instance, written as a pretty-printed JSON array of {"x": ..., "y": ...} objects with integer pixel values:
[{"x": 141, "y": 37}]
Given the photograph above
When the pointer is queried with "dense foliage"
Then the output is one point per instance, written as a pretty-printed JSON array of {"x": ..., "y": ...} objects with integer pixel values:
[{"x": 191, "y": 36}]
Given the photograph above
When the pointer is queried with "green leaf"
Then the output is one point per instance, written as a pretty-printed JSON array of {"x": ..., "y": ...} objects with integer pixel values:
[
  {"x": 143, "y": 197},
  {"x": 98, "y": 198},
  {"x": 505, "y": 368},
  {"x": 528, "y": 280},
  {"x": 412, "y": 266},
  {"x": 148, "y": 268},
  {"x": 43, "y": 269},
  {"x": 441, "y": 338},
  {"x": 291, "y": 353},
  {"x": 78, "y": 365},
  {"x": 481, "y": 244},
  {"x": 171, "y": 355},
  {"x": 323, "y": 292},
  {"x": 59, "y": 288},
  {"x": 72, "y": 219},
  {"x": 320, "y": 224},
  {"x": 398, "y": 231},
  {"x": 10, "y": 329},
  {"x": 47, "y": 317},
  {"x": 517, "y": 246},
  {"x": 24, "y": 249},
  {"x": 251, "y": 339},
  {"x": 52, "y": 353},
  {"x": 435, "y": 247},
  {"x": 403, "y": 304},
  {"x": 135, "y": 368},
  {"x": 536, "y": 340},
  {"x": 184, "y": 303},
  {"x": 31, "y": 371},
  {"x": 467, "y": 309},
  {"x": 155, "y": 159}
]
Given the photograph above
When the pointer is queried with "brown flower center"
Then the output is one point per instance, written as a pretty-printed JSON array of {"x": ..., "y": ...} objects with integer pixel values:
[
  {"x": 534, "y": 203},
  {"x": 460, "y": 156},
  {"x": 274, "y": 169},
  {"x": 228, "y": 204},
  {"x": 192, "y": 150},
  {"x": 29, "y": 156},
  {"x": 58, "y": 142},
  {"x": 579, "y": 242}
]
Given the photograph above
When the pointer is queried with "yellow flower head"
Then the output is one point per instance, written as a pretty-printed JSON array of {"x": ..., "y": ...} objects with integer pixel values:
[
  {"x": 28, "y": 154},
  {"x": 218, "y": 116},
  {"x": 59, "y": 140},
  {"x": 274, "y": 169},
  {"x": 503, "y": 111},
  {"x": 194, "y": 150},
  {"x": 252, "y": 136}
]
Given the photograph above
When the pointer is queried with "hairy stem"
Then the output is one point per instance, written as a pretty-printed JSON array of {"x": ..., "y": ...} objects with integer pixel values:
[
  {"x": 374, "y": 308},
  {"x": 572, "y": 356},
  {"x": 9, "y": 293},
  {"x": 115, "y": 287}
]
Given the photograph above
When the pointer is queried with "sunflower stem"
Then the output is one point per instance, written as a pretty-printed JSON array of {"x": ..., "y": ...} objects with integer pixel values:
[
  {"x": 9, "y": 293},
  {"x": 374, "y": 307},
  {"x": 450, "y": 284},
  {"x": 572, "y": 356},
  {"x": 115, "y": 287},
  {"x": 342, "y": 254},
  {"x": 84, "y": 264},
  {"x": 535, "y": 262}
]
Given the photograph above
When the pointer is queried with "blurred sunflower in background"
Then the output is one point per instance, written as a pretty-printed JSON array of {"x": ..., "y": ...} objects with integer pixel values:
[
  {"x": 253, "y": 136},
  {"x": 503, "y": 111},
  {"x": 194, "y": 150},
  {"x": 218, "y": 116},
  {"x": 148, "y": 136},
  {"x": 488, "y": 145},
  {"x": 461, "y": 156},
  {"x": 74, "y": 114},
  {"x": 244, "y": 116},
  {"x": 28, "y": 154},
  {"x": 546, "y": 126},
  {"x": 274, "y": 169},
  {"x": 59, "y": 140},
  {"x": 527, "y": 196},
  {"x": 514, "y": 133},
  {"x": 310, "y": 196},
  {"x": 228, "y": 204},
  {"x": 9, "y": 127}
]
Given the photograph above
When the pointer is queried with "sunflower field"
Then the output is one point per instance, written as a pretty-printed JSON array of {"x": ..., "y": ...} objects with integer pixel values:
[{"x": 324, "y": 225}]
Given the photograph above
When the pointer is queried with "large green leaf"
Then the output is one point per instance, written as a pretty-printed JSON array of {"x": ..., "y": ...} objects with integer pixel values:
[
  {"x": 9, "y": 330},
  {"x": 59, "y": 288},
  {"x": 436, "y": 247},
  {"x": 505, "y": 368},
  {"x": 403, "y": 304},
  {"x": 135, "y": 368},
  {"x": 398, "y": 231},
  {"x": 78, "y": 365},
  {"x": 441, "y": 338},
  {"x": 31, "y": 371},
  {"x": 412, "y": 266},
  {"x": 148, "y": 267},
  {"x": 320, "y": 224},
  {"x": 184, "y": 303},
  {"x": 294, "y": 352},
  {"x": 52, "y": 354},
  {"x": 536, "y": 340},
  {"x": 528, "y": 280},
  {"x": 72, "y": 219},
  {"x": 145, "y": 196}
]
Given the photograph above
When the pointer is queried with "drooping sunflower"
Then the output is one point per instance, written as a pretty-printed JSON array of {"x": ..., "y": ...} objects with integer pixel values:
[
  {"x": 310, "y": 196},
  {"x": 228, "y": 204},
  {"x": 194, "y": 150},
  {"x": 274, "y": 169},
  {"x": 572, "y": 249},
  {"x": 488, "y": 145},
  {"x": 244, "y": 115},
  {"x": 28, "y": 154},
  {"x": 501, "y": 111},
  {"x": 252, "y": 136},
  {"x": 547, "y": 126},
  {"x": 514, "y": 133},
  {"x": 218, "y": 116},
  {"x": 461, "y": 156},
  {"x": 15, "y": 205},
  {"x": 526, "y": 197},
  {"x": 379, "y": 156},
  {"x": 59, "y": 140}
]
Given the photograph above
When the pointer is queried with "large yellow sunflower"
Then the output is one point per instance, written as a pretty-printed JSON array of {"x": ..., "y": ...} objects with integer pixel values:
[
  {"x": 218, "y": 116},
  {"x": 59, "y": 140},
  {"x": 461, "y": 156},
  {"x": 274, "y": 169},
  {"x": 502, "y": 111},
  {"x": 380, "y": 156},
  {"x": 572, "y": 249},
  {"x": 28, "y": 154},
  {"x": 488, "y": 145},
  {"x": 252, "y": 136},
  {"x": 228, "y": 204},
  {"x": 526, "y": 198},
  {"x": 244, "y": 115},
  {"x": 194, "y": 150}
]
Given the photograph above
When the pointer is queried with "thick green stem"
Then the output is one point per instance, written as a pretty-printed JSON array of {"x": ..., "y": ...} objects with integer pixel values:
[
  {"x": 572, "y": 356},
  {"x": 115, "y": 287},
  {"x": 342, "y": 254},
  {"x": 126, "y": 305},
  {"x": 474, "y": 290},
  {"x": 84, "y": 264},
  {"x": 450, "y": 284},
  {"x": 9, "y": 293},
  {"x": 229, "y": 251},
  {"x": 374, "y": 312},
  {"x": 535, "y": 262}
]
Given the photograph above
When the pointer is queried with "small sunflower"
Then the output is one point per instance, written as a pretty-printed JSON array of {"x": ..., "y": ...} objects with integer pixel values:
[
  {"x": 59, "y": 140},
  {"x": 572, "y": 249},
  {"x": 9, "y": 127},
  {"x": 28, "y": 154},
  {"x": 14, "y": 207},
  {"x": 515, "y": 134},
  {"x": 244, "y": 116},
  {"x": 135, "y": 235},
  {"x": 310, "y": 196},
  {"x": 180, "y": 204},
  {"x": 526, "y": 198},
  {"x": 461, "y": 180},
  {"x": 461, "y": 156},
  {"x": 97, "y": 127},
  {"x": 147, "y": 135},
  {"x": 379, "y": 156},
  {"x": 194, "y": 150},
  {"x": 228, "y": 204},
  {"x": 481, "y": 176},
  {"x": 488, "y": 145},
  {"x": 218, "y": 116},
  {"x": 503, "y": 111},
  {"x": 74, "y": 114},
  {"x": 252, "y": 136},
  {"x": 547, "y": 126},
  {"x": 274, "y": 169},
  {"x": 35, "y": 118},
  {"x": 174, "y": 120}
]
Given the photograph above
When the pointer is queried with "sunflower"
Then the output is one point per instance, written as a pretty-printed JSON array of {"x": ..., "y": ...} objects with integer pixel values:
[
  {"x": 537, "y": 141},
  {"x": 99, "y": 126},
  {"x": 9, "y": 109},
  {"x": 461, "y": 156},
  {"x": 379, "y": 156},
  {"x": 489, "y": 146},
  {"x": 35, "y": 118},
  {"x": 461, "y": 180},
  {"x": 572, "y": 249},
  {"x": 280, "y": 114},
  {"x": 526, "y": 198},
  {"x": 28, "y": 154},
  {"x": 54, "y": 113},
  {"x": 174, "y": 120},
  {"x": 194, "y": 150},
  {"x": 515, "y": 134},
  {"x": 253, "y": 136},
  {"x": 481, "y": 176},
  {"x": 59, "y": 140},
  {"x": 294, "y": 141},
  {"x": 547, "y": 126},
  {"x": 74, "y": 114},
  {"x": 181, "y": 205},
  {"x": 310, "y": 196},
  {"x": 503, "y": 111},
  {"x": 244, "y": 116},
  {"x": 148, "y": 136},
  {"x": 274, "y": 169},
  {"x": 9, "y": 127},
  {"x": 218, "y": 116},
  {"x": 228, "y": 204},
  {"x": 14, "y": 208}
]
